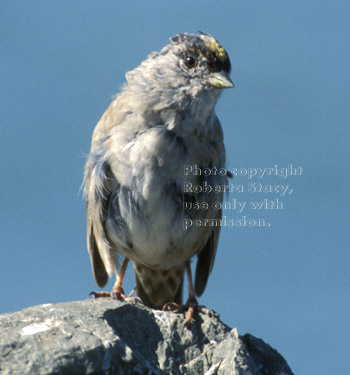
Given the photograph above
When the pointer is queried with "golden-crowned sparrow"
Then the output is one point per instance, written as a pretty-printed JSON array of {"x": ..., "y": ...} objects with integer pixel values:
[{"x": 147, "y": 198}]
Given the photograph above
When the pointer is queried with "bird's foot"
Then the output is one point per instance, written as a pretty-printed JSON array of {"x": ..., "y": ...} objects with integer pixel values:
[
  {"x": 118, "y": 294},
  {"x": 191, "y": 306}
]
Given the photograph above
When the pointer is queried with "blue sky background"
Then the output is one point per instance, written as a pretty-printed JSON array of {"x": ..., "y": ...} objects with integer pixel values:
[{"x": 61, "y": 63}]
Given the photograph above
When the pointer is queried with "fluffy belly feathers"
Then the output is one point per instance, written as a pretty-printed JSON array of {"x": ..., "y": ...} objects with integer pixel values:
[{"x": 147, "y": 212}]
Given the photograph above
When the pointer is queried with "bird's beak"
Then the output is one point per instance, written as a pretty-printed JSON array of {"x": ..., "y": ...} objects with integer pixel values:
[{"x": 220, "y": 80}]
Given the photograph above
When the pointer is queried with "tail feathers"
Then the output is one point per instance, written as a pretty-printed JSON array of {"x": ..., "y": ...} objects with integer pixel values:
[{"x": 158, "y": 287}]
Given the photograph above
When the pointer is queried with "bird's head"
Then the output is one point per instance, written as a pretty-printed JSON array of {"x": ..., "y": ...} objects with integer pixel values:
[
  {"x": 190, "y": 69},
  {"x": 202, "y": 60}
]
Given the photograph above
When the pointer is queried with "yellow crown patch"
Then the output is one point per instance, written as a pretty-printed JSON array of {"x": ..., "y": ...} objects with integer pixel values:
[{"x": 214, "y": 46}]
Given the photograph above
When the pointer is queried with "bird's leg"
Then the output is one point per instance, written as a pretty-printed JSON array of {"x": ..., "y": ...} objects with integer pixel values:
[
  {"x": 117, "y": 290},
  {"x": 191, "y": 303}
]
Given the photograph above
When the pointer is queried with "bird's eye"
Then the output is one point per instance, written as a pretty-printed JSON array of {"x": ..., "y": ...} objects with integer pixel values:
[{"x": 190, "y": 62}]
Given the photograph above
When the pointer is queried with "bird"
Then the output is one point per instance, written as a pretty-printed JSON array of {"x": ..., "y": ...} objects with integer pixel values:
[{"x": 150, "y": 180}]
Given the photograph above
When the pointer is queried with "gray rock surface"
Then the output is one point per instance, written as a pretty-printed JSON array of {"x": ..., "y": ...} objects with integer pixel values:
[{"x": 105, "y": 336}]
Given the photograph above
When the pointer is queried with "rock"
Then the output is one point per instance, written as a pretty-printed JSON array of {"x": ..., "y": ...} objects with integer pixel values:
[{"x": 105, "y": 336}]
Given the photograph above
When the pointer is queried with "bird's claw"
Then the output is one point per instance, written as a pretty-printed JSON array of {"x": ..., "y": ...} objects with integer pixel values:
[
  {"x": 190, "y": 306},
  {"x": 173, "y": 306},
  {"x": 116, "y": 293},
  {"x": 99, "y": 294}
]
